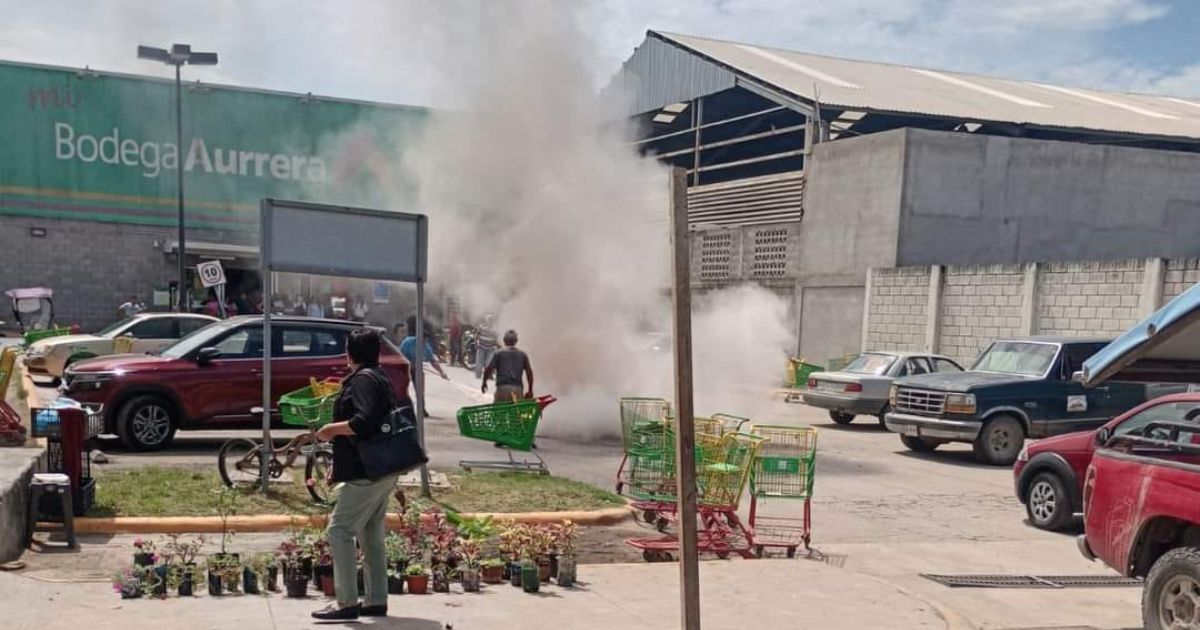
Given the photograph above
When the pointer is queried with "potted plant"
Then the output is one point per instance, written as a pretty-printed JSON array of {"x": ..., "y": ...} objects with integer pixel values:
[
  {"x": 468, "y": 551},
  {"x": 224, "y": 567},
  {"x": 418, "y": 580},
  {"x": 542, "y": 545},
  {"x": 260, "y": 574},
  {"x": 565, "y": 537},
  {"x": 531, "y": 581},
  {"x": 323, "y": 566},
  {"x": 128, "y": 582},
  {"x": 143, "y": 554},
  {"x": 492, "y": 570},
  {"x": 179, "y": 555},
  {"x": 290, "y": 559},
  {"x": 512, "y": 541}
]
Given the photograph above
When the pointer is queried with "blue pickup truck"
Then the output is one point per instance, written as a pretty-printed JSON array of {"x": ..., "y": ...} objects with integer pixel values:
[{"x": 1016, "y": 389}]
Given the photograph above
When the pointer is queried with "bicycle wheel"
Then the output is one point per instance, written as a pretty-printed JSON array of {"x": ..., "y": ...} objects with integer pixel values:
[
  {"x": 239, "y": 462},
  {"x": 318, "y": 465}
]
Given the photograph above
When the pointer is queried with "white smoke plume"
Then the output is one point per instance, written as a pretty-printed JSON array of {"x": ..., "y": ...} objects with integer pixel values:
[{"x": 543, "y": 213}]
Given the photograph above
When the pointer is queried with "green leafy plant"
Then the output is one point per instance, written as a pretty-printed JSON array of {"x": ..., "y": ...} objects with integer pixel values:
[
  {"x": 565, "y": 536},
  {"x": 226, "y": 506},
  {"x": 472, "y": 527},
  {"x": 414, "y": 570},
  {"x": 492, "y": 563}
]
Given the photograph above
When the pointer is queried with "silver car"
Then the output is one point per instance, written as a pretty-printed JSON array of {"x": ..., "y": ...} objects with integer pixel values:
[{"x": 861, "y": 388}]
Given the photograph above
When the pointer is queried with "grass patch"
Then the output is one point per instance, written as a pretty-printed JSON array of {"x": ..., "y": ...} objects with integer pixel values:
[{"x": 163, "y": 491}]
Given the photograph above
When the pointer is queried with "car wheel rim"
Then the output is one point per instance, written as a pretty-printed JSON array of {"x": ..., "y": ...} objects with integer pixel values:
[
  {"x": 1000, "y": 440},
  {"x": 151, "y": 424},
  {"x": 1179, "y": 603},
  {"x": 1042, "y": 501}
]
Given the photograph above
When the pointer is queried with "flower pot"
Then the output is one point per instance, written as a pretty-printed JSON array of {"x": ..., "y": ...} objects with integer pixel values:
[
  {"x": 418, "y": 584},
  {"x": 566, "y": 571},
  {"x": 323, "y": 574},
  {"x": 297, "y": 585},
  {"x": 306, "y": 566},
  {"x": 186, "y": 585},
  {"x": 143, "y": 559},
  {"x": 543, "y": 567},
  {"x": 506, "y": 571},
  {"x": 249, "y": 582},
  {"x": 530, "y": 578},
  {"x": 492, "y": 575},
  {"x": 554, "y": 565},
  {"x": 159, "y": 581},
  {"x": 395, "y": 585},
  {"x": 514, "y": 574},
  {"x": 216, "y": 582},
  {"x": 441, "y": 584},
  {"x": 133, "y": 590},
  {"x": 272, "y": 584},
  {"x": 470, "y": 580},
  {"x": 362, "y": 586}
]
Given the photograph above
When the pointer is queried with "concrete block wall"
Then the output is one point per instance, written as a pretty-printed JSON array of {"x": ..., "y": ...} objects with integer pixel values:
[
  {"x": 1090, "y": 298},
  {"x": 969, "y": 306},
  {"x": 896, "y": 308},
  {"x": 979, "y": 303},
  {"x": 767, "y": 254}
]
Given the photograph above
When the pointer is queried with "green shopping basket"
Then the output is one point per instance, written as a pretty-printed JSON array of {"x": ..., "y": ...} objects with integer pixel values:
[
  {"x": 512, "y": 425},
  {"x": 305, "y": 408}
]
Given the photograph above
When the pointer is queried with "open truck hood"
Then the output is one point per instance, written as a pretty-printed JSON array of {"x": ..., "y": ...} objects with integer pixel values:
[{"x": 1164, "y": 347}]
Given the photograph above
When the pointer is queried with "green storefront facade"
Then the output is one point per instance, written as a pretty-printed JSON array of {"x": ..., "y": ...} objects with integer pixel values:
[{"x": 88, "y": 172}]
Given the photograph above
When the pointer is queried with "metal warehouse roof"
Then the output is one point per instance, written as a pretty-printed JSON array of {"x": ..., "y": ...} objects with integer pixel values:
[{"x": 878, "y": 87}]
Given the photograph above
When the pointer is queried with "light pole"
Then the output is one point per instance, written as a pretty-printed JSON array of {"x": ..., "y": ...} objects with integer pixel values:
[{"x": 177, "y": 56}]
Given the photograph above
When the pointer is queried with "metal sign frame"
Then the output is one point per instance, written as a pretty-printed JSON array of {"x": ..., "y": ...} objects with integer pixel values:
[{"x": 336, "y": 265}]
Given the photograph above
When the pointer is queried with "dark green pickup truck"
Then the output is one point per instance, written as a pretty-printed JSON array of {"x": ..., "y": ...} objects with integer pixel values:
[{"x": 1016, "y": 389}]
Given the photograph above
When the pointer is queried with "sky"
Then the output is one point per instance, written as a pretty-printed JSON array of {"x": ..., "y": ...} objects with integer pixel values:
[{"x": 385, "y": 50}]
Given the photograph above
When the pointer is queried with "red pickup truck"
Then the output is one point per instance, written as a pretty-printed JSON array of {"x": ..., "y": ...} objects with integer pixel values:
[{"x": 1141, "y": 494}]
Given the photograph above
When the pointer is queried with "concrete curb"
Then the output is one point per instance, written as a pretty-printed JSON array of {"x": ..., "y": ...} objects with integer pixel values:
[{"x": 281, "y": 522}]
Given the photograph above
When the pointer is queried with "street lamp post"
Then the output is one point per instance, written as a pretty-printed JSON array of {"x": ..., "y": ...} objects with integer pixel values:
[{"x": 177, "y": 56}]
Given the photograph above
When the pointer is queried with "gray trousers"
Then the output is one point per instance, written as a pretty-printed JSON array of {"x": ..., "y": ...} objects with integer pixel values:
[
  {"x": 482, "y": 358},
  {"x": 360, "y": 513}
]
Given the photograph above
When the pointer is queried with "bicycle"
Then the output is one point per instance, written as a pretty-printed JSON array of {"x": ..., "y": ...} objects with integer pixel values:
[{"x": 311, "y": 407}]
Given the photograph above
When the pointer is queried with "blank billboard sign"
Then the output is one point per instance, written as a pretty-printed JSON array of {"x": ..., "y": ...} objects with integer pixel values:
[{"x": 340, "y": 241}]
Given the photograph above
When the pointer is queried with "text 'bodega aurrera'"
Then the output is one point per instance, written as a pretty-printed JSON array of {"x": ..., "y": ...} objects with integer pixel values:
[{"x": 155, "y": 157}]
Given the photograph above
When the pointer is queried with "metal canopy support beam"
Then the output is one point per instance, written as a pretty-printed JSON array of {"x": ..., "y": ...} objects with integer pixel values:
[
  {"x": 715, "y": 123},
  {"x": 685, "y": 442},
  {"x": 753, "y": 160},
  {"x": 775, "y": 97},
  {"x": 732, "y": 141},
  {"x": 697, "y": 121}
]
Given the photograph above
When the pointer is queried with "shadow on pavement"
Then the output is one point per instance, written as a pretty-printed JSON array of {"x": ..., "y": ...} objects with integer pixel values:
[
  {"x": 871, "y": 426},
  {"x": 966, "y": 459},
  {"x": 402, "y": 623}
]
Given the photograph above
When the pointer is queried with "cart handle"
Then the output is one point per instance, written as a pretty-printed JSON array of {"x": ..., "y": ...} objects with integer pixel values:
[{"x": 545, "y": 401}]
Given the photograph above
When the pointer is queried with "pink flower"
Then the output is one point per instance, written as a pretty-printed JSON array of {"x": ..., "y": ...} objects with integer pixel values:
[{"x": 310, "y": 482}]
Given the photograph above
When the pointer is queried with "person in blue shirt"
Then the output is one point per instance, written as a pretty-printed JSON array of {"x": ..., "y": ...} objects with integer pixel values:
[{"x": 408, "y": 348}]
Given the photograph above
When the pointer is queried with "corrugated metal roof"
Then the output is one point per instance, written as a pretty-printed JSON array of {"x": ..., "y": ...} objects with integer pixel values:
[{"x": 880, "y": 87}]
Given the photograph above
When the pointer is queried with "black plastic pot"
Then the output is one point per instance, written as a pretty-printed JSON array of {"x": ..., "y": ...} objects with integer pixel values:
[
  {"x": 272, "y": 579},
  {"x": 160, "y": 581},
  {"x": 440, "y": 582},
  {"x": 143, "y": 559},
  {"x": 216, "y": 583},
  {"x": 554, "y": 565},
  {"x": 249, "y": 582},
  {"x": 395, "y": 585},
  {"x": 297, "y": 585},
  {"x": 514, "y": 573},
  {"x": 470, "y": 580},
  {"x": 531, "y": 580},
  {"x": 186, "y": 585}
]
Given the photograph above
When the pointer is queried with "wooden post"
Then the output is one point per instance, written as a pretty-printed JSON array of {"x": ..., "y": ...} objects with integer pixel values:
[{"x": 685, "y": 443}]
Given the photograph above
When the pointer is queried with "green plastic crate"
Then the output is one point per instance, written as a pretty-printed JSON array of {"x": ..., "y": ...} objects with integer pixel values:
[
  {"x": 34, "y": 336},
  {"x": 303, "y": 409}
]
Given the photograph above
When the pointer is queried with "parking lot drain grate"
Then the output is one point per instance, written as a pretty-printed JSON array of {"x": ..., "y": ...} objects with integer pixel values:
[{"x": 1030, "y": 581}]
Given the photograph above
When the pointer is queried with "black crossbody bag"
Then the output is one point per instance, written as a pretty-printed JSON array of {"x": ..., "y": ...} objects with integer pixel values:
[{"x": 395, "y": 448}]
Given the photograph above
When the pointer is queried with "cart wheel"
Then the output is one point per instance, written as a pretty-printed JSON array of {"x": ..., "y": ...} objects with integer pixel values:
[
  {"x": 661, "y": 524},
  {"x": 545, "y": 472},
  {"x": 620, "y": 487},
  {"x": 649, "y": 516},
  {"x": 654, "y": 555},
  {"x": 758, "y": 551},
  {"x": 791, "y": 552},
  {"x": 667, "y": 557},
  {"x": 723, "y": 555}
]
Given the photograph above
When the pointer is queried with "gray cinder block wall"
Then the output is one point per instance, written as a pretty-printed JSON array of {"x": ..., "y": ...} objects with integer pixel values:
[{"x": 974, "y": 304}]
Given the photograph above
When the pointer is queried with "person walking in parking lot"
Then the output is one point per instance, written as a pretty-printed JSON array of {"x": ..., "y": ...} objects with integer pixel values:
[
  {"x": 509, "y": 365},
  {"x": 485, "y": 345},
  {"x": 361, "y": 509}
]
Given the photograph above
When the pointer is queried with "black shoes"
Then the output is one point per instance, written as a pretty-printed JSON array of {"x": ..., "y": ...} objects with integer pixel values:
[
  {"x": 346, "y": 613},
  {"x": 373, "y": 611}
]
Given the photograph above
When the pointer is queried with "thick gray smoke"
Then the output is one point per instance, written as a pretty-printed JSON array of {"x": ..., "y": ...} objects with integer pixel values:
[{"x": 542, "y": 212}]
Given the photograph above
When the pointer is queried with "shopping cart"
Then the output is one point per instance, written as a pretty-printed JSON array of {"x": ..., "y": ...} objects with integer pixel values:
[
  {"x": 643, "y": 425},
  {"x": 784, "y": 468},
  {"x": 310, "y": 406},
  {"x": 510, "y": 425},
  {"x": 721, "y": 473}
]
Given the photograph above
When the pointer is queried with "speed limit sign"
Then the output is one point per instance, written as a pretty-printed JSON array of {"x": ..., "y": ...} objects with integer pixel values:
[{"x": 211, "y": 273}]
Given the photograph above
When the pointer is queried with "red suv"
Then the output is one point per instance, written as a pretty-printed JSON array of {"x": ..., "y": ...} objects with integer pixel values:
[
  {"x": 212, "y": 378},
  {"x": 1049, "y": 473}
]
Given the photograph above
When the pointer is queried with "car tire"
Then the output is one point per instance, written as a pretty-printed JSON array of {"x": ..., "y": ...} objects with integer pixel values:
[
  {"x": 1172, "y": 580},
  {"x": 1047, "y": 503},
  {"x": 919, "y": 444},
  {"x": 147, "y": 423},
  {"x": 999, "y": 441},
  {"x": 841, "y": 418},
  {"x": 882, "y": 416}
]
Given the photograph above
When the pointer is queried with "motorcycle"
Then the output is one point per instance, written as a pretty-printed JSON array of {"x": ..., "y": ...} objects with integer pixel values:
[{"x": 469, "y": 346}]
